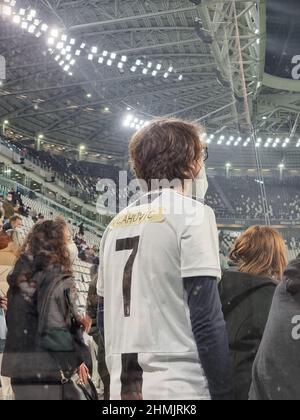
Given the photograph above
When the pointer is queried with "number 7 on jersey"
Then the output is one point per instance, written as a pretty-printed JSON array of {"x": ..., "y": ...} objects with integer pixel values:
[{"x": 127, "y": 245}]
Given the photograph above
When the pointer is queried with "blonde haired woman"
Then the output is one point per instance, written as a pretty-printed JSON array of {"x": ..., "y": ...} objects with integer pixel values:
[{"x": 258, "y": 260}]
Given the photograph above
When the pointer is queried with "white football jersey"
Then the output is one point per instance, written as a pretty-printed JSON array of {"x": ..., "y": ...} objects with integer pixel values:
[{"x": 145, "y": 253}]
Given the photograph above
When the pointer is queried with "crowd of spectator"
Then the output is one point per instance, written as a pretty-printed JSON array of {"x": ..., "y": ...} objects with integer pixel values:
[{"x": 240, "y": 199}]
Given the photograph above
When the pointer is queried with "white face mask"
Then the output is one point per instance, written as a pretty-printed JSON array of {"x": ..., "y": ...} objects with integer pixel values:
[
  {"x": 73, "y": 251},
  {"x": 197, "y": 188},
  {"x": 201, "y": 184}
]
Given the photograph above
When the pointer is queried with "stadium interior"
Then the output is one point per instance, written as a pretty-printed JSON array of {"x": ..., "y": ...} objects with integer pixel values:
[{"x": 80, "y": 77}]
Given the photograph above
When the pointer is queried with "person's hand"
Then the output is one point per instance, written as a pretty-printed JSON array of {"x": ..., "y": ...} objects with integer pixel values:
[
  {"x": 83, "y": 373},
  {"x": 3, "y": 303},
  {"x": 86, "y": 323}
]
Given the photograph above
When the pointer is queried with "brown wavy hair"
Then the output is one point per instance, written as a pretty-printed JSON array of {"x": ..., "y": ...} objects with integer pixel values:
[
  {"x": 260, "y": 251},
  {"x": 46, "y": 245},
  {"x": 167, "y": 149}
]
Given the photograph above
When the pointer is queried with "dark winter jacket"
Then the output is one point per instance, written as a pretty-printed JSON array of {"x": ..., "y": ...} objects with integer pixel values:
[
  {"x": 276, "y": 371},
  {"x": 246, "y": 302},
  {"x": 43, "y": 337}
]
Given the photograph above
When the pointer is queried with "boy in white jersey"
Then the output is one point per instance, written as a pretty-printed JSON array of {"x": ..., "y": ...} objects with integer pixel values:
[{"x": 165, "y": 335}]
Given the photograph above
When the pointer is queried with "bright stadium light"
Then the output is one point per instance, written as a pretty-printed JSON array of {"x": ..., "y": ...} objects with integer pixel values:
[
  {"x": 54, "y": 33},
  {"x": 109, "y": 63},
  {"x": 77, "y": 53},
  {"x": 44, "y": 27},
  {"x": 158, "y": 67},
  {"x": 138, "y": 62},
  {"x": 105, "y": 53},
  {"x": 113, "y": 56},
  {"x": 145, "y": 71},
  {"x": 133, "y": 69},
  {"x": 72, "y": 41},
  {"x": 94, "y": 50},
  {"x": 7, "y": 10},
  {"x": 101, "y": 60},
  {"x": 124, "y": 58},
  {"x": 51, "y": 41},
  {"x": 90, "y": 57},
  {"x": 16, "y": 19},
  {"x": 166, "y": 75},
  {"x": 154, "y": 73}
]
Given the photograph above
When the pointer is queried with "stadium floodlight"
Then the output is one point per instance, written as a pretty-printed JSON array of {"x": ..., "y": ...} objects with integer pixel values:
[
  {"x": 222, "y": 137},
  {"x": 16, "y": 19},
  {"x": 57, "y": 58},
  {"x": 105, "y": 53},
  {"x": 36, "y": 22},
  {"x": 228, "y": 143},
  {"x": 145, "y": 71},
  {"x": 68, "y": 48},
  {"x": 133, "y": 69},
  {"x": 82, "y": 46},
  {"x": 170, "y": 69},
  {"x": 120, "y": 65},
  {"x": 231, "y": 138},
  {"x": 67, "y": 67},
  {"x": 149, "y": 65},
  {"x": 101, "y": 60},
  {"x": 72, "y": 62},
  {"x": 51, "y": 41},
  {"x": 61, "y": 63},
  {"x": 31, "y": 29},
  {"x": 180, "y": 77},
  {"x": 22, "y": 12},
  {"x": 77, "y": 53},
  {"x": 32, "y": 13},
  {"x": 63, "y": 51},
  {"x": 89, "y": 95},
  {"x": 124, "y": 58},
  {"x": 54, "y": 33},
  {"x": 64, "y": 37},
  {"x": 138, "y": 62},
  {"x": 44, "y": 27},
  {"x": 24, "y": 25},
  {"x": 220, "y": 142},
  {"x": 113, "y": 56},
  {"x": 7, "y": 10},
  {"x": 68, "y": 57},
  {"x": 158, "y": 67},
  {"x": 94, "y": 50},
  {"x": 60, "y": 45},
  {"x": 154, "y": 73},
  {"x": 72, "y": 41},
  {"x": 38, "y": 34},
  {"x": 166, "y": 75},
  {"x": 90, "y": 57},
  {"x": 109, "y": 63},
  {"x": 281, "y": 166}
]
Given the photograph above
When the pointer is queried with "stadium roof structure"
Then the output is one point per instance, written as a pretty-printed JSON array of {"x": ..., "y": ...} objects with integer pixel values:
[{"x": 91, "y": 71}]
